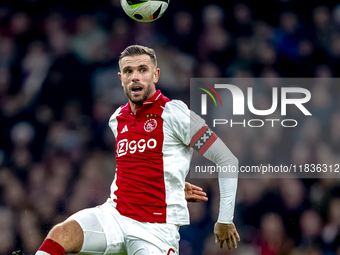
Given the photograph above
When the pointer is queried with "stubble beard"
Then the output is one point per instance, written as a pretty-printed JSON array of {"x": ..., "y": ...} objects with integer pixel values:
[{"x": 145, "y": 96}]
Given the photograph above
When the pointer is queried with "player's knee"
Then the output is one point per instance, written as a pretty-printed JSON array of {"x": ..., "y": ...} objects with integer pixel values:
[
  {"x": 68, "y": 234},
  {"x": 57, "y": 233}
]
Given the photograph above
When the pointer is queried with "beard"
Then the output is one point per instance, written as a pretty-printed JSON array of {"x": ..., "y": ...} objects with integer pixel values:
[{"x": 140, "y": 98}]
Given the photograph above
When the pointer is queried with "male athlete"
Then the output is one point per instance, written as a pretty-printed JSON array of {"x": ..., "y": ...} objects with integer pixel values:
[{"x": 154, "y": 136}]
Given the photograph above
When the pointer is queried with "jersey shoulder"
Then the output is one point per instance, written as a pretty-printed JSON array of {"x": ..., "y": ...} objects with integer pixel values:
[
  {"x": 176, "y": 116},
  {"x": 176, "y": 107},
  {"x": 184, "y": 122}
]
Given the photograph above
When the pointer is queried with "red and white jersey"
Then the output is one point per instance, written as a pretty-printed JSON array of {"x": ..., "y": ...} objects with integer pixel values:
[{"x": 153, "y": 155}]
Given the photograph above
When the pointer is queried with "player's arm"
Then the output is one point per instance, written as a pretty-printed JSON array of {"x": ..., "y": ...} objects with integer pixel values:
[
  {"x": 194, "y": 193},
  {"x": 192, "y": 130},
  {"x": 206, "y": 142}
]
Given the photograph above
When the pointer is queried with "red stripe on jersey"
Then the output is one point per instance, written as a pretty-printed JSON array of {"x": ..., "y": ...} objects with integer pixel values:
[
  {"x": 171, "y": 250},
  {"x": 206, "y": 146},
  {"x": 198, "y": 135},
  {"x": 140, "y": 193},
  {"x": 51, "y": 247}
]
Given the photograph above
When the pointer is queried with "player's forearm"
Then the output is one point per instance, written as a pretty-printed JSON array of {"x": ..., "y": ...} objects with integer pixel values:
[
  {"x": 220, "y": 154},
  {"x": 228, "y": 187}
]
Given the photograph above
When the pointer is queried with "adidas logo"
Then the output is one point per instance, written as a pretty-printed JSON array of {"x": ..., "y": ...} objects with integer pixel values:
[{"x": 124, "y": 129}]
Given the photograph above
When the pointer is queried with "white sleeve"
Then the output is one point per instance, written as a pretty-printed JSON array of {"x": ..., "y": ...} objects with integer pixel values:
[{"x": 220, "y": 154}]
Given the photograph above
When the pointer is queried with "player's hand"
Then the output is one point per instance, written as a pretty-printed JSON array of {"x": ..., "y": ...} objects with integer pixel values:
[
  {"x": 227, "y": 233},
  {"x": 194, "y": 193}
]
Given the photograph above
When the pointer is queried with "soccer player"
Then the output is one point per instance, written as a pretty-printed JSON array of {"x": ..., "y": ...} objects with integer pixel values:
[{"x": 154, "y": 140}]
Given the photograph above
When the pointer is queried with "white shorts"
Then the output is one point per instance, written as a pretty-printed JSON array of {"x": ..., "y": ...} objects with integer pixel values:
[{"x": 106, "y": 231}]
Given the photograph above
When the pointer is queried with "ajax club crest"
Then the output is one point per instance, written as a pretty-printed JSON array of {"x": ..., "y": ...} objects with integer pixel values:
[{"x": 150, "y": 125}]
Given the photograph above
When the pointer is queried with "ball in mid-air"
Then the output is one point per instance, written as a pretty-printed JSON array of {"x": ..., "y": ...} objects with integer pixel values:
[{"x": 144, "y": 10}]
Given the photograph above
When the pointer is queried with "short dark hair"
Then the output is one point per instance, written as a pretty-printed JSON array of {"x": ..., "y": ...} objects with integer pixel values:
[{"x": 134, "y": 50}]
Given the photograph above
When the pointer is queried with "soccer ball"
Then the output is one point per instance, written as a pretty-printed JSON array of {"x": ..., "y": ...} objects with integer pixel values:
[{"x": 144, "y": 10}]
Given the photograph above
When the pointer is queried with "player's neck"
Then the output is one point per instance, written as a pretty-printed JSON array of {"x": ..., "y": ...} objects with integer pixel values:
[{"x": 134, "y": 107}]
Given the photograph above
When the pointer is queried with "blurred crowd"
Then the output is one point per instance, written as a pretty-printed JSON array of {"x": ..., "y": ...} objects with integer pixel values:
[{"x": 59, "y": 87}]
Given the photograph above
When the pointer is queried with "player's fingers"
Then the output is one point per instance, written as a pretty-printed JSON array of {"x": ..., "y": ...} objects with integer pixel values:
[
  {"x": 233, "y": 241},
  {"x": 237, "y": 236},
  {"x": 201, "y": 196},
  {"x": 228, "y": 243},
  {"x": 200, "y": 193},
  {"x": 216, "y": 238},
  {"x": 194, "y": 187},
  {"x": 203, "y": 199},
  {"x": 199, "y": 199}
]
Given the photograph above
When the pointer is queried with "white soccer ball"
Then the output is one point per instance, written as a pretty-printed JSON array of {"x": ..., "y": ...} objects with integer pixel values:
[{"x": 144, "y": 10}]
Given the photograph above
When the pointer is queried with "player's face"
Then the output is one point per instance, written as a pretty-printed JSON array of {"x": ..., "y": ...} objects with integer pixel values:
[{"x": 138, "y": 76}]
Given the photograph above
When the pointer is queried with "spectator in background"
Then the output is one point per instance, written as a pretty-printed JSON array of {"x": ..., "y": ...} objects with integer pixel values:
[
  {"x": 311, "y": 226},
  {"x": 273, "y": 237}
]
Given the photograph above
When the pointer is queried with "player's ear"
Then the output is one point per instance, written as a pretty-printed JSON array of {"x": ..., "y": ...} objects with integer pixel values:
[
  {"x": 120, "y": 76},
  {"x": 156, "y": 75}
]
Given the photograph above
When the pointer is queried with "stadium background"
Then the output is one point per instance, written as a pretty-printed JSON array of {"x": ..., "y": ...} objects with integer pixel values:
[{"x": 59, "y": 86}]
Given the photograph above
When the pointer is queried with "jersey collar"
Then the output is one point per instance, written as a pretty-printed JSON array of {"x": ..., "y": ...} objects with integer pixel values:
[{"x": 154, "y": 98}]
